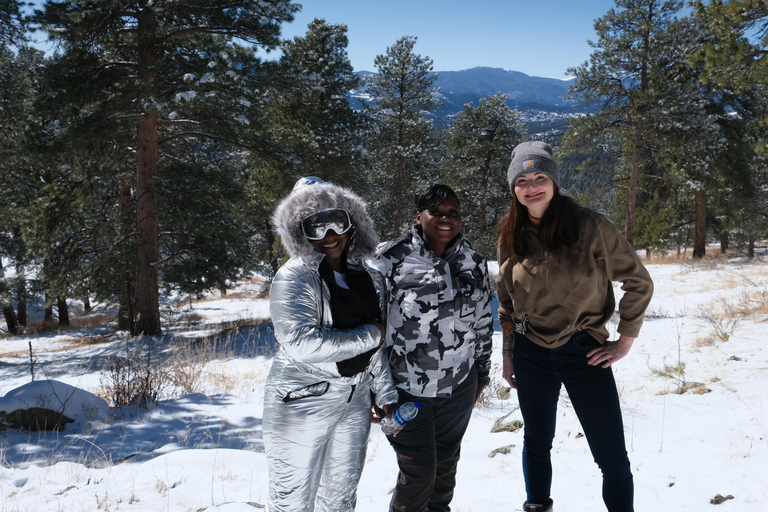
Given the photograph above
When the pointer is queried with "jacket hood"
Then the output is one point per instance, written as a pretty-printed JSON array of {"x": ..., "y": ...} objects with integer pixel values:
[{"x": 314, "y": 198}]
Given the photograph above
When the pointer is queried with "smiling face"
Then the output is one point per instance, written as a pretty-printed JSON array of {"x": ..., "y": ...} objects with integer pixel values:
[
  {"x": 332, "y": 245},
  {"x": 534, "y": 191},
  {"x": 440, "y": 224}
]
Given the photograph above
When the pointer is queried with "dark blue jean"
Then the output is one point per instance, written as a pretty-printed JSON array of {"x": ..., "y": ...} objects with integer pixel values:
[{"x": 539, "y": 373}]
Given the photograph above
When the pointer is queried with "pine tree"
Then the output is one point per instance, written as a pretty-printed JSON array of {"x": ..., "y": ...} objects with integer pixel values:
[
  {"x": 626, "y": 74},
  {"x": 211, "y": 240},
  {"x": 480, "y": 142},
  {"x": 736, "y": 58},
  {"x": 402, "y": 148},
  {"x": 11, "y": 23},
  {"x": 314, "y": 116},
  {"x": 19, "y": 72},
  {"x": 161, "y": 73}
]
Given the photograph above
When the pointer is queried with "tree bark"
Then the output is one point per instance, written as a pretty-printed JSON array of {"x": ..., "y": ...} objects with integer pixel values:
[
  {"x": 148, "y": 242},
  {"x": 270, "y": 234},
  {"x": 125, "y": 312},
  {"x": 724, "y": 244},
  {"x": 634, "y": 172},
  {"x": 21, "y": 313},
  {"x": 21, "y": 284},
  {"x": 10, "y": 319},
  {"x": 482, "y": 216},
  {"x": 8, "y": 312},
  {"x": 63, "y": 311},
  {"x": 700, "y": 239},
  {"x": 48, "y": 316}
]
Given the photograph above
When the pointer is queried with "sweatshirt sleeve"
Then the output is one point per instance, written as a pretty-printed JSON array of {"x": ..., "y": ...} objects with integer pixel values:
[
  {"x": 504, "y": 288},
  {"x": 622, "y": 264},
  {"x": 296, "y": 310}
]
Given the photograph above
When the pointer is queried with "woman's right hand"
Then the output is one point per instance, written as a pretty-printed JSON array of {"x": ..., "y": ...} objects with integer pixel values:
[
  {"x": 508, "y": 370},
  {"x": 382, "y": 330}
]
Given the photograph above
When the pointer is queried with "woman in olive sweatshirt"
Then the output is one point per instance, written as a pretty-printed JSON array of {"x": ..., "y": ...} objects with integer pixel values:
[{"x": 557, "y": 262}]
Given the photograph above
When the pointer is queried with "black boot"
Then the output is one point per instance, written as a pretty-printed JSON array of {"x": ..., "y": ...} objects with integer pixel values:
[{"x": 534, "y": 507}]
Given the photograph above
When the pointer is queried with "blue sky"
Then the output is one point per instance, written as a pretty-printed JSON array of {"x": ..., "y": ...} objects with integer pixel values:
[{"x": 539, "y": 38}]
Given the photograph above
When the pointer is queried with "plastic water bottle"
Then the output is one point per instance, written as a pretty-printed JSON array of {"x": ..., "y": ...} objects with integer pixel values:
[{"x": 400, "y": 417}]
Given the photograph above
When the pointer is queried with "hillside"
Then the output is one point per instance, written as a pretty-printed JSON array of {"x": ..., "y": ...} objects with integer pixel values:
[{"x": 541, "y": 101}]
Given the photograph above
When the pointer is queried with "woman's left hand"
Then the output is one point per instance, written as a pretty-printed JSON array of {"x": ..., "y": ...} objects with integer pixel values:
[{"x": 611, "y": 352}]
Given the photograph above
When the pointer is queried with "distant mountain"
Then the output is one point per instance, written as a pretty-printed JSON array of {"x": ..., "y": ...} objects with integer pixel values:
[
  {"x": 538, "y": 99},
  {"x": 460, "y": 87}
]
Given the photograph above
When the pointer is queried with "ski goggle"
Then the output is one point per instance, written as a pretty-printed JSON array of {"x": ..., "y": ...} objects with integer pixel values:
[{"x": 316, "y": 226}]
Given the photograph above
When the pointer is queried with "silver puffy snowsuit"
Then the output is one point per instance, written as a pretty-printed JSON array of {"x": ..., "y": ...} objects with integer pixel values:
[{"x": 316, "y": 422}]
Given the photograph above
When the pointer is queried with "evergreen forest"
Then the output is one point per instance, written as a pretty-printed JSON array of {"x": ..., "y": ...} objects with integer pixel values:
[{"x": 145, "y": 154}]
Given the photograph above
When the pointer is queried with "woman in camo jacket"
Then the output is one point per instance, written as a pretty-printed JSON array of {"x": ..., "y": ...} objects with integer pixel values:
[{"x": 439, "y": 328}]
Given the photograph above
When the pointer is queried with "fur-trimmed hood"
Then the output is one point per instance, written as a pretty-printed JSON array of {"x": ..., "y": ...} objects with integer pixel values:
[{"x": 314, "y": 198}]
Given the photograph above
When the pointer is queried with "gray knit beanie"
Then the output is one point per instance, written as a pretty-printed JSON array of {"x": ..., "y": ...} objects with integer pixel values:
[{"x": 532, "y": 156}]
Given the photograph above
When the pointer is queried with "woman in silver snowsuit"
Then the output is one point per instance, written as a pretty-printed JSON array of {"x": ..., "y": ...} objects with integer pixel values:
[{"x": 327, "y": 309}]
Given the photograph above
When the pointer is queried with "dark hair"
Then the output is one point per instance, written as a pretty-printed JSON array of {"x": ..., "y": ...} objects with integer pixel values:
[
  {"x": 434, "y": 196},
  {"x": 559, "y": 226}
]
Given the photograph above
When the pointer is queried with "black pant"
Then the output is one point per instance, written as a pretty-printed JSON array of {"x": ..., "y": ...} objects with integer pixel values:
[
  {"x": 540, "y": 372},
  {"x": 428, "y": 449}
]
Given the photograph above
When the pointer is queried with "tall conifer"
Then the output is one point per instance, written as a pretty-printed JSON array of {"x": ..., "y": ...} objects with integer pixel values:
[
  {"x": 480, "y": 142},
  {"x": 403, "y": 156},
  {"x": 160, "y": 73}
]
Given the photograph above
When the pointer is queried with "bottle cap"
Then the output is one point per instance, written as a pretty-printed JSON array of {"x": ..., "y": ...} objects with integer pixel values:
[{"x": 417, "y": 404}]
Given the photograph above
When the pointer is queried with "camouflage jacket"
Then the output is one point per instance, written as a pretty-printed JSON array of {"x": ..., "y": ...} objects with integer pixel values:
[{"x": 439, "y": 319}]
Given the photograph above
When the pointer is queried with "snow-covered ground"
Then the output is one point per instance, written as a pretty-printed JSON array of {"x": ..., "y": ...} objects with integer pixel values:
[{"x": 707, "y": 328}]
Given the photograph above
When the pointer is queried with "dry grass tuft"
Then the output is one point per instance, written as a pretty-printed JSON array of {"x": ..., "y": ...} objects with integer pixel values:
[
  {"x": 91, "y": 321},
  {"x": 500, "y": 425},
  {"x": 711, "y": 259},
  {"x": 97, "y": 339},
  {"x": 697, "y": 388},
  {"x": 41, "y": 326},
  {"x": 705, "y": 341}
]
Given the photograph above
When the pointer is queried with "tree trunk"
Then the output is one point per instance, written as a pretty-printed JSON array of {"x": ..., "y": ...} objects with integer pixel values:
[
  {"x": 21, "y": 284},
  {"x": 724, "y": 241},
  {"x": 125, "y": 312},
  {"x": 147, "y": 153},
  {"x": 482, "y": 216},
  {"x": 400, "y": 175},
  {"x": 751, "y": 246},
  {"x": 63, "y": 311},
  {"x": 273, "y": 263},
  {"x": 10, "y": 319},
  {"x": 634, "y": 172},
  {"x": 700, "y": 240},
  {"x": 86, "y": 303},
  {"x": 8, "y": 312},
  {"x": 399, "y": 202},
  {"x": 21, "y": 313},
  {"x": 48, "y": 317},
  {"x": 637, "y": 138}
]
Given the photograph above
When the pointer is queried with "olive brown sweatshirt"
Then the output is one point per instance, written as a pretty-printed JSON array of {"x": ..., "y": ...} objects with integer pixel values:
[{"x": 571, "y": 290}]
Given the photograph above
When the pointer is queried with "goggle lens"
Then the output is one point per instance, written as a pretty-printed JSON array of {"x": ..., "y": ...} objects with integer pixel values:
[{"x": 316, "y": 226}]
